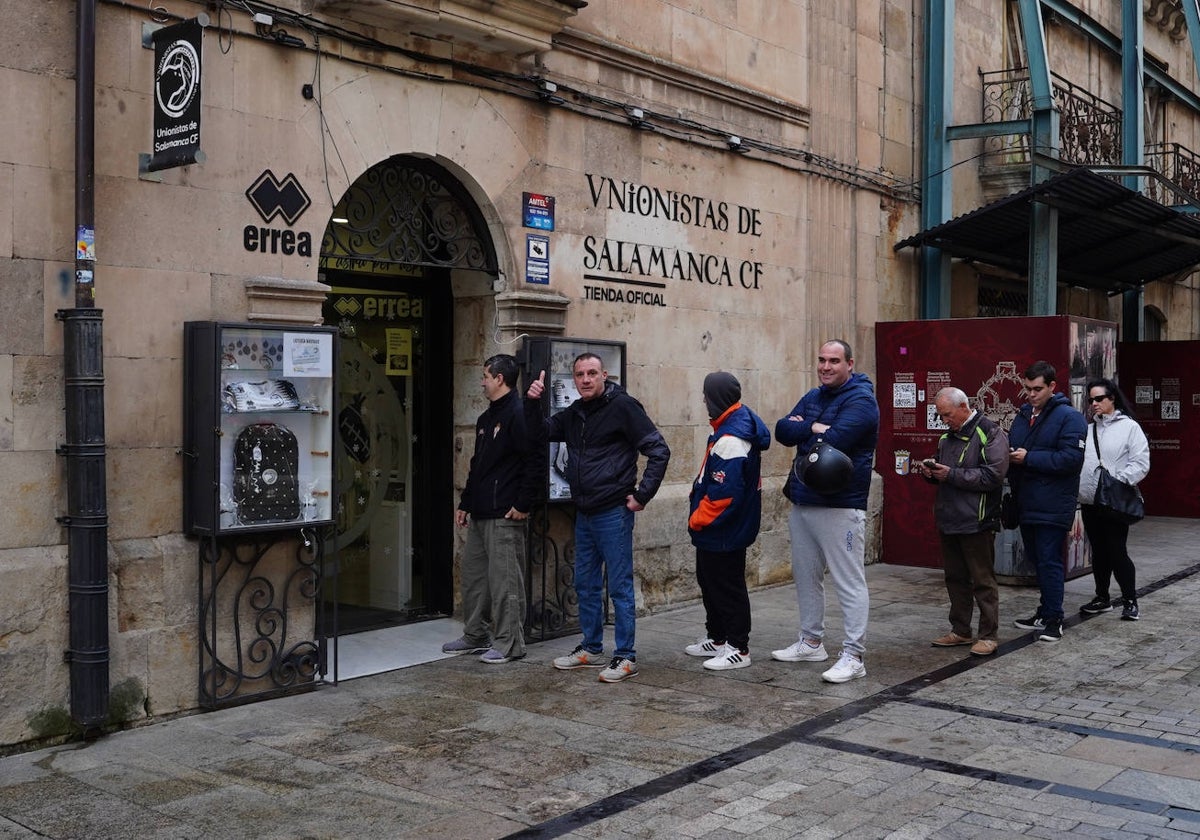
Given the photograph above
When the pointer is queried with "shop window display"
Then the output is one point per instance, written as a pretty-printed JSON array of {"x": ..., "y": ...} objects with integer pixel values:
[{"x": 259, "y": 418}]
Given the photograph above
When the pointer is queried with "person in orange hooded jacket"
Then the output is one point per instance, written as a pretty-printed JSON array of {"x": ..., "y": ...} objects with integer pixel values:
[{"x": 726, "y": 510}]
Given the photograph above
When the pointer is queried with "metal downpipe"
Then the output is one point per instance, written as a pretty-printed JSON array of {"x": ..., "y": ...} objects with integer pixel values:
[{"x": 86, "y": 519}]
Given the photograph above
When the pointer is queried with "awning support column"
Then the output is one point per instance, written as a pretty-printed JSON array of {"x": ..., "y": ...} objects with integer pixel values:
[
  {"x": 935, "y": 193},
  {"x": 1043, "y": 218},
  {"x": 1133, "y": 134}
]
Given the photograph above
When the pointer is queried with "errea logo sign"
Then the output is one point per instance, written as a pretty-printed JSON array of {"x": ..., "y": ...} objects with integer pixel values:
[{"x": 273, "y": 198}]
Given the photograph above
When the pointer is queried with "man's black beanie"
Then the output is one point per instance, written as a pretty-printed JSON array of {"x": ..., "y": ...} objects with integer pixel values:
[{"x": 721, "y": 390}]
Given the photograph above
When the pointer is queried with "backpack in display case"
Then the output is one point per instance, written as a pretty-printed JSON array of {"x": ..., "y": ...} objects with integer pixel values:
[{"x": 266, "y": 461}]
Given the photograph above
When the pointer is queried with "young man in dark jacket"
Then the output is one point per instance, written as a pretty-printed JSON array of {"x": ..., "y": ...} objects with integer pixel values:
[
  {"x": 505, "y": 478},
  {"x": 604, "y": 430},
  {"x": 726, "y": 511},
  {"x": 972, "y": 460},
  {"x": 1047, "y": 439},
  {"x": 828, "y": 529}
]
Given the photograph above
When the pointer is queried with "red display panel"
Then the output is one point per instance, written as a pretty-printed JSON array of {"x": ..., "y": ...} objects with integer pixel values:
[
  {"x": 985, "y": 357},
  {"x": 1162, "y": 381}
]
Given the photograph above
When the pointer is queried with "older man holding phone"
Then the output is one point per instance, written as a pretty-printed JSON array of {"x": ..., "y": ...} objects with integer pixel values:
[{"x": 969, "y": 470}]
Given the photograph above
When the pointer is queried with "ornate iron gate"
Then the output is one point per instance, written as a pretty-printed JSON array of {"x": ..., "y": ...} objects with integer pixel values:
[
  {"x": 260, "y": 608},
  {"x": 550, "y": 575}
]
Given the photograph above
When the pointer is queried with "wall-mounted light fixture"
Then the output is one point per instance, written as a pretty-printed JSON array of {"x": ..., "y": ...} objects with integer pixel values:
[
  {"x": 548, "y": 92},
  {"x": 734, "y": 143},
  {"x": 287, "y": 40},
  {"x": 637, "y": 118}
]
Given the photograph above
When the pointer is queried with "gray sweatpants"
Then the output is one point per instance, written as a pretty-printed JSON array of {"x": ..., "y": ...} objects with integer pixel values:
[{"x": 834, "y": 539}]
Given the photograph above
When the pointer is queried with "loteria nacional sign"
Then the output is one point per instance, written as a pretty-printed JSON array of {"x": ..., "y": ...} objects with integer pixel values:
[{"x": 640, "y": 273}]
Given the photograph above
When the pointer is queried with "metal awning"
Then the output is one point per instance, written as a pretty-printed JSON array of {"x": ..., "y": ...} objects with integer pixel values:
[{"x": 1109, "y": 237}]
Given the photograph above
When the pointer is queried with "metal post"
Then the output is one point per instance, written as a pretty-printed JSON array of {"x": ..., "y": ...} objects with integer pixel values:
[
  {"x": 1044, "y": 138},
  {"x": 87, "y": 514},
  {"x": 86, "y": 520},
  {"x": 936, "y": 199}
]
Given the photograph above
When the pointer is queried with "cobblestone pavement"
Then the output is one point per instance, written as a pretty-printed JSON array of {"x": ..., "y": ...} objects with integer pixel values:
[{"x": 1096, "y": 736}]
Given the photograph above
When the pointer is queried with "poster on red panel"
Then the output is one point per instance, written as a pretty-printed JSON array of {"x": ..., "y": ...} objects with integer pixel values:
[
  {"x": 985, "y": 357},
  {"x": 1161, "y": 379}
]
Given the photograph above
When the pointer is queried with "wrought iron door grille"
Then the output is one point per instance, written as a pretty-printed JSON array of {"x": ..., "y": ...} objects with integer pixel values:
[
  {"x": 550, "y": 579},
  {"x": 259, "y": 610},
  {"x": 409, "y": 212}
]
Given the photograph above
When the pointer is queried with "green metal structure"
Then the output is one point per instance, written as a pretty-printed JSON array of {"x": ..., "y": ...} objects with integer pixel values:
[{"x": 1042, "y": 129}]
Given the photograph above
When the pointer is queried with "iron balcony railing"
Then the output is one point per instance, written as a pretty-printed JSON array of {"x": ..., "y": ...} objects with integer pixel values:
[
  {"x": 1089, "y": 134},
  {"x": 1089, "y": 127},
  {"x": 1179, "y": 165}
]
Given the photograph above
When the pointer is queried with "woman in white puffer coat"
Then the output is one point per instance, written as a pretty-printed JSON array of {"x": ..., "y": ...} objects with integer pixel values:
[{"x": 1125, "y": 453}]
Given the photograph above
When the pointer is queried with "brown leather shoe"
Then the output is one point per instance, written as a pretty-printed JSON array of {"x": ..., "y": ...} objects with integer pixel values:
[
  {"x": 984, "y": 647},
  {"x": 951, "y": 640}
]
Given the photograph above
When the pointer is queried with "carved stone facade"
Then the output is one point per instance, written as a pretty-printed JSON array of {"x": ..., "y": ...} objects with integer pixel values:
[{"x": 728, "y": 182}]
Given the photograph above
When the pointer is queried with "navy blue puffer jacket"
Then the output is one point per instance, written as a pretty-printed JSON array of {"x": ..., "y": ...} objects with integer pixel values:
[
  {"x": 1046, "y": 486},
  {"x": 852, "y": 414}
]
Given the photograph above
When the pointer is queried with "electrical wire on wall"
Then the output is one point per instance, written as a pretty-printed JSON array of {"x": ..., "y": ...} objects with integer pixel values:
[
  {"x": 500, "y": 284},
  {"x": 270, "y": 21},
  {"x": 318, "y": 94}
]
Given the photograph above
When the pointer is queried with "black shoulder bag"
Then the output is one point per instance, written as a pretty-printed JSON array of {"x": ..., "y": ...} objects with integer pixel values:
[{"x": 1119, "y": 501}]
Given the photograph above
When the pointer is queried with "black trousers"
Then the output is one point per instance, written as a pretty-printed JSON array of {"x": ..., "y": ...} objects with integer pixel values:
[
  {"x": 1110, "y": 557},
  {"x": 722, "y": 579}
]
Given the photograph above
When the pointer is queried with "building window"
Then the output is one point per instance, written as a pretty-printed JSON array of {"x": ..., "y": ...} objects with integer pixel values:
[
  {"x": 1001, "y": 298},
  {"x": 1154, "y": 324}
]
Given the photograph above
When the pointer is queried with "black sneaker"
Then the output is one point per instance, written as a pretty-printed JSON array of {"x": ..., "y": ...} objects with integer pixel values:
[
  {"x": 1130, "y": 613},
  {"x": 1096, "y": 606},
  {"x": 1035, "y": 622},
  {"x": 1052, "y": 632}
]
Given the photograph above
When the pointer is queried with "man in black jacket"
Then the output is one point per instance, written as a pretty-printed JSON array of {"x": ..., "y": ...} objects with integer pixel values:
[
  {"x": 604, "y": 430},
  {"x": 504, "y": 480}
]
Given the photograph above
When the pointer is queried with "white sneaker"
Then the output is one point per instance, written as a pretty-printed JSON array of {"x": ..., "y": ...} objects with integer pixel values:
[
  {"x": 579, "y": 658},
  {"x": 848, "y": 668},
  {"x": 705, "y": 647},
  {"x": 729, "y": 658},
  {"x": 619, "y": 669},
  {"x": 801, "y": 651}
]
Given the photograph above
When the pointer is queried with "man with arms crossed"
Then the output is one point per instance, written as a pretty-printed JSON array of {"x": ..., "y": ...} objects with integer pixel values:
[{"x": 828, "y": 530}]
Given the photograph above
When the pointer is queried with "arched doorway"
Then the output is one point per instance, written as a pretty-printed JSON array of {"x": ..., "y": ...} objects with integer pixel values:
[{"x": 396, "y": 240}]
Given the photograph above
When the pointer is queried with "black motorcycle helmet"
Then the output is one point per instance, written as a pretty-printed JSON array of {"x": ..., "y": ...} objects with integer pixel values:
[{"x": 825, "y": 469}]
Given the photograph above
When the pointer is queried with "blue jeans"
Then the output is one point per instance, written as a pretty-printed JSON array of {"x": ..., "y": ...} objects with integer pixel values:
[
  {"x": 604, "y": 541},
  {"x": 1044, "y": 546}
]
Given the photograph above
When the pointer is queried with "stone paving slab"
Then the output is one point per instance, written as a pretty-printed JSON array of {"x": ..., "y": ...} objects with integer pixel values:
[
  {"x": 1154, "y": 759},
  {"x": 1097, "y": 736}
]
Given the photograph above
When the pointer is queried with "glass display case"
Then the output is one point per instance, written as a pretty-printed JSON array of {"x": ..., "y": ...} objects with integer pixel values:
[
  {"x": 555, "y": 356},
  {"x": 258, "y": 427}
]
